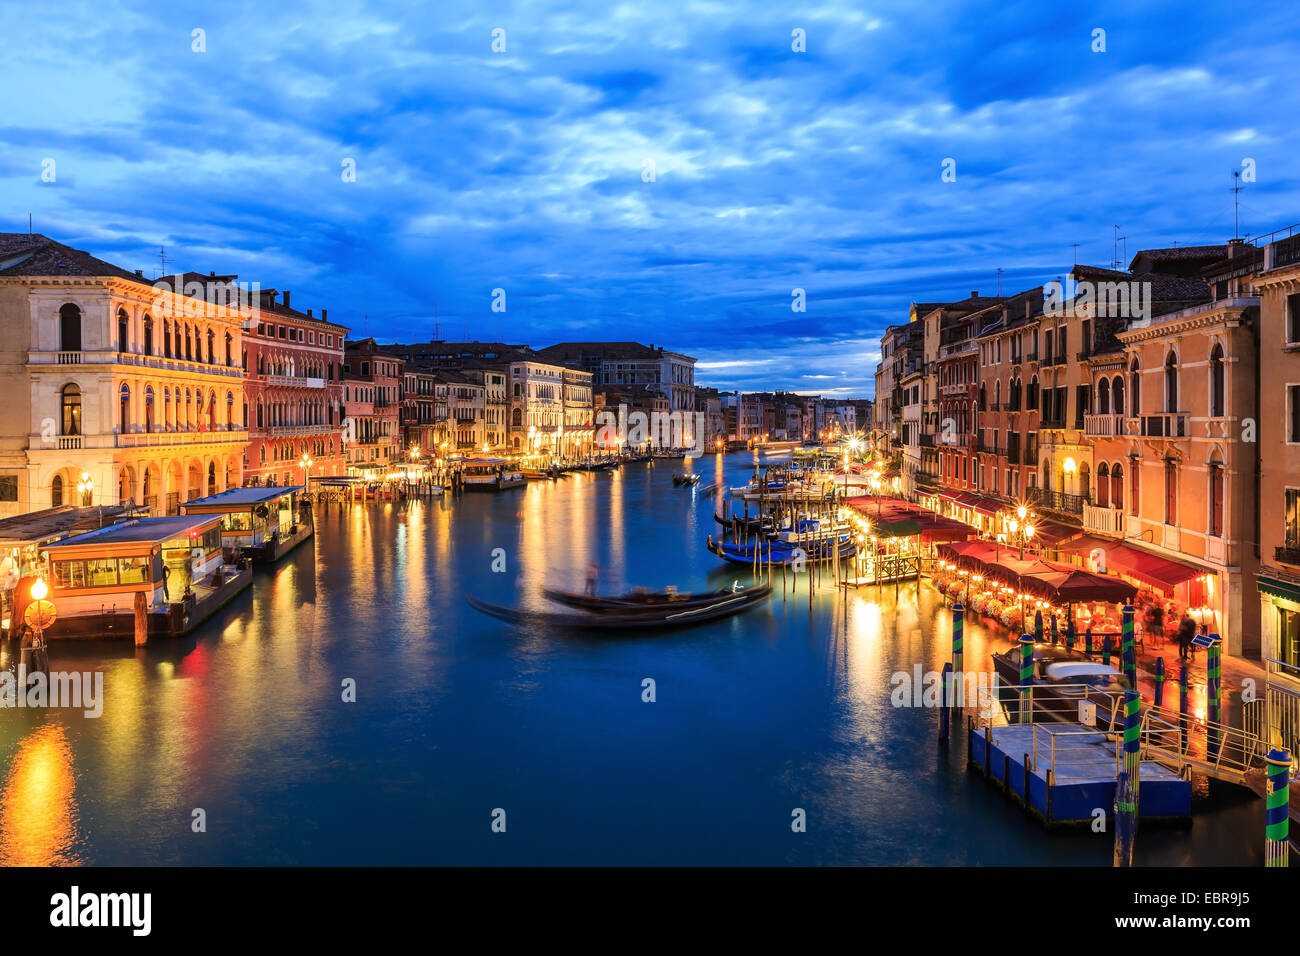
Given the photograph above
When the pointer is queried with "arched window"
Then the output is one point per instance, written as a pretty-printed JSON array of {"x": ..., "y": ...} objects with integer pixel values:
[
  {"x": 148, "y": 335},
  {"x": 212, "y": 478},
  {"x": 56, "y": 491},
  {"x": 180, "y": 347},
  {"x": 259, "y": 415},
  {"x": 1117, "y": 486},
  {"x": 212, "y": 411},
  {"x": 148, "y": 408},
  {"x": 983, "y": 397},
  {"x": 125, "y": 409},
  {"x": 1031, "y": 397},
  {"x": 1134, "y": 486},
  {"x": 1117, "y": 394},
  {"x": 1171, "y": 383},
  {"x": 167, "y": 408},
  {"x": 71, "y": 406},
  {"x": 212, "y": 347},
  {"x": 69, "y": 328},
  {"x": 1135, "y": 389},
  {"x": 1103, "y": 484},
  {"x": 1171, "y": 492},
  {"x": 167, "y": 339},
  {"x": 518, "y": 418},
  {"x": 189, "y": 345},
  {"x": 230, "y": 351},
  {"x": 1103, "y": 402},
  {"x": 1085, "y": 482},
  {"x": 122, "y": 329},
  {"x": 1216, "y": 382},
  {"x": 230, "y": 411}
]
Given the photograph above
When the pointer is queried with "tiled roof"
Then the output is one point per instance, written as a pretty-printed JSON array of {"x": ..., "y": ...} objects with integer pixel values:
[{"x": 22, "y": 254}]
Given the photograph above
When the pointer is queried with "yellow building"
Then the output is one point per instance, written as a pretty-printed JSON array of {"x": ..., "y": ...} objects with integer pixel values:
[{"x": 118, "y": 389}]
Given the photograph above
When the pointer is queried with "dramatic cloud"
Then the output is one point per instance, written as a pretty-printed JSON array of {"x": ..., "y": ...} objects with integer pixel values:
[{"x": 525, "y": 170}]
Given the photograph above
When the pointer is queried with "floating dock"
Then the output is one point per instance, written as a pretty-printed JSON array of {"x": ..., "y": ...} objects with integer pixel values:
[{"x": 1063, "y": 773}]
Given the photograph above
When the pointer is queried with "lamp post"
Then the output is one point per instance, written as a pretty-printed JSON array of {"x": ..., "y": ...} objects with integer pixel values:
[
  {"x": 39, "y": 614},
  {"x": 86, "y": 488},
  {"x": 305, "y": 464}
]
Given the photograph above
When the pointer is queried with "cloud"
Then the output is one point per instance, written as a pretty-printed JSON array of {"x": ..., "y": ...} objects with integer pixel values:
[{"x": 526, "y": 170}]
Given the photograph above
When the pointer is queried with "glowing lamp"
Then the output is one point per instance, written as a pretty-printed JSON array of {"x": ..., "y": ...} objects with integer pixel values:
[{"x": 39, "y": 590}]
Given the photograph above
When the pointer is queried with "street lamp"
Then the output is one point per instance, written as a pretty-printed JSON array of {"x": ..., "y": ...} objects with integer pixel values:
[
  {"x": 305, "y": 464},
  {"x": 86, "y": 488}
]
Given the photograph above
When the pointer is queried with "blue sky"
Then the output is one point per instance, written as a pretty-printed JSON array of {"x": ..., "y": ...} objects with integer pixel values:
[{"x": 523, "y": 170}]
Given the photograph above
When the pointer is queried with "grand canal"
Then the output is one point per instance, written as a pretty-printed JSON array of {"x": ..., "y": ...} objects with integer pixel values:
[{"x": 458, "y": 714}]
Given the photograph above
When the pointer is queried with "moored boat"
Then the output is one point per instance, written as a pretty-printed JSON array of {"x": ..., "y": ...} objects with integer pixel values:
[
  {"x": 779, "y": 552},
  {"x": 491, "y": 474},
  {"x": 638, "y": 599},
  {"x": 687, "y": 479}
]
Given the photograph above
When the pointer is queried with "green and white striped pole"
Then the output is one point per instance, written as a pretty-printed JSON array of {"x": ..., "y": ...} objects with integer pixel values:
[
  {"x": 1054, "y": 631},
  {"x": 1129, "y": 648},
  {"x": 1184, "y": 709},
  {"x": 958, "y": 636},
  {"x": 1132, "y": 741},
  {"x": 1087, "y": 640},
  {"x": 1038, "y": 625},
  {"x": 1277, "y": 819},
  {"x": 1026, "y": 675},
  {"x": 1125, "y": 820},
  {"x": 1213, "y": 695}
]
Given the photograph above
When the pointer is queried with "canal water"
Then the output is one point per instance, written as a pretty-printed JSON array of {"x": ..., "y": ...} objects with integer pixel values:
[{"x": 458, "y": 715}]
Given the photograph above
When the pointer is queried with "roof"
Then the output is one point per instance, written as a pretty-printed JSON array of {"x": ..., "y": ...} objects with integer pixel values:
[
  {"x": 139, "y": 530},
  {"x": 245, "y": 496},
  {"x": 1179, "y": 257},
  {"x": 23, "y": 254},
  {"x": 51, "y": 523},
  {"x": 605, "y": 350}
]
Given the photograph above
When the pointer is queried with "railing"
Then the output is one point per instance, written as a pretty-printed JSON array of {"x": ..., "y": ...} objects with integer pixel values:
[
  {"x": 1162, "y": 425},
  {"x": 957, "y": 348},
  {"x": 1057, "y": 501},
  {"x": 69, "y": 442},
  {"x": 146, "y": 439},
  {"x": 69, "y": 358},
  {"x": 1104, "y": 520},
  {"x": 1103, "y": 426}
]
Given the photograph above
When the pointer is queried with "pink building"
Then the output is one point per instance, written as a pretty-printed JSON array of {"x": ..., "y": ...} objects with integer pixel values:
[{"x": 293, "y": 392}]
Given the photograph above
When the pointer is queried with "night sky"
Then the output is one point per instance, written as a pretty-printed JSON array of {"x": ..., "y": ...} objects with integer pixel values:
[{"x": 525, "y": 170}]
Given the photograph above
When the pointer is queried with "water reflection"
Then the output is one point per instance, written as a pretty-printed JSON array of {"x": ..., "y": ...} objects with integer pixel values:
[{"x": 38, "y": 808}]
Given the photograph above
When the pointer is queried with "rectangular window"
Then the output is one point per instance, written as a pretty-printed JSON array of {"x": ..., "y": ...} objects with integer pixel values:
[
  {"x": 70, "y": 574},
  {"x": 1135, "y": 473},
  {"x": 1288, "y": 636},
  {"x": 1171, "y": 493},
  {"x": 1292, "y": 517},
  {"x": 1293, "y": 413},
  {"x": 1293, "y": 319},
  {"x": 1216, "y": 501},
  {"x": 8, "y": 487},
  {"x": 133, "y": 570},
  {"x": 101, "y": 572}
]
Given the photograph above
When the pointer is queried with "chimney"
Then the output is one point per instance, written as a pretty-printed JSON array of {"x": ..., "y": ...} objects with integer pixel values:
[
  {"x": 1235, "y": 247},
  {"x": 212, "y": 275},
  {"x": 974, "y": 293},
  {"x": 1029, "y": 308},
  {"x": 323, "y": 313},
  {"x": 140, "y": 273},
  {"x": 286, "y": 298},
  {"x": 309, "y": 313}
]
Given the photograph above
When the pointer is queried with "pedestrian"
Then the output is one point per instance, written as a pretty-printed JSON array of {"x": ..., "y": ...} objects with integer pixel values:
[
  {"x": 1186, "y": 631},
  {"x": 593, "y": 570}
]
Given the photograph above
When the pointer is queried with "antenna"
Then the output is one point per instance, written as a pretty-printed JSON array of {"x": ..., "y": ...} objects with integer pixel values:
[
  {"x": 999, "y": 282},
  {"x": 1236, "y": 203},
  {"x": 29, "y": 224},
  {"x": 1116, "y": 261},
  {"x": 1076, "y": 252},
  {"x": 162, "y": 261}
]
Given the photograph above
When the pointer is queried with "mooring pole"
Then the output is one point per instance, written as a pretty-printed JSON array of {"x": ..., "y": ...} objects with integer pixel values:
[
  {"x": 1277, "y": 820},
  {"x": 1026, "y": 676},
  {"x": 1213, "y": 696},
  {"x": 1183, "y": 709},
  {"x": 1129, "y": 648},
  {"x": 1160, "y": 681},
  {"x": 1125, "y": 820}
]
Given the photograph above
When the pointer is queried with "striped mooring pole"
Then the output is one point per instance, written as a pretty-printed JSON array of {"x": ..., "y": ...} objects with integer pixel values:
[
  {"x": 1183, "y": 708},
  {"x": 1026, "y": 675},
  {"x": 1125, "y": 819},
  {"x": 1213, "y": 695},
  {"x": 1069, "y": 634},
  {"x": 1160, "y": 681},
  {"x": 1087, "y": 640},
  {"x": 1105, "y": 649},
  {"x": 1038, "y": 625},
  {"x": 1054, "y": 631},
  {"x": 945, "y": 715},
  {"x": 958, "y": 629},
  {"x": 1277, "y": 843},
  {"x": 1132, "y": 740},
  {"x": 1129, "y": 648}
]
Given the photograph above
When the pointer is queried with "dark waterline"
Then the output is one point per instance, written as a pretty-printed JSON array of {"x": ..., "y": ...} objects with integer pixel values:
[{"x": 458, "y": 714}]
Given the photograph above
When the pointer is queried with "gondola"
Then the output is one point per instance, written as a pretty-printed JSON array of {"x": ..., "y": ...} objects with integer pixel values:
[
  {"x": 691, "y": 479},
  {"x": 1061, "y": 678},
  {"x": 634, "y": 618},
  {"x": 635, "y": 600},
  {"x": 752, "y": 523},
  {"x": 777, "y": 552}
]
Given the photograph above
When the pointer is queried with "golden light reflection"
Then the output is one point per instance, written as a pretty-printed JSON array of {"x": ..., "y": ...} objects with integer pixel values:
[{"x": 38, "y": 810}]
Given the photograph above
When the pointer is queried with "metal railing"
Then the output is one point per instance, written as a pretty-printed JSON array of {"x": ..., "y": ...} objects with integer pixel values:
[
  {"x": 1103, "y": 425},
  {"x": 1057, "y": 501}
]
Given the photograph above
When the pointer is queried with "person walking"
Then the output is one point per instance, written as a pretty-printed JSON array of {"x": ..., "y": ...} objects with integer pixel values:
[{"x": 1186, "y": 631}]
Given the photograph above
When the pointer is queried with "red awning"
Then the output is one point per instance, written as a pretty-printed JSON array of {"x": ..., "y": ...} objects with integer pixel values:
[
  {"x": 1151, "y": 569},
  {"x": 1052, "y": 534}
]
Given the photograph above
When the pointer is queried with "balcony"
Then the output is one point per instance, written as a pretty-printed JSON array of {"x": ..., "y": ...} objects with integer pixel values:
[
  {"x": 163, "y": 439},
  {"x": 1287, "y": 554},
  {"x": 114, "y": 357},
  {"x": 1103, "y": 520},
  {"x": 1057, "y": 501},
  {"x": 964, "y": 347},
  {"x": 1164, "y": 425},
  {"x": 1103, "y": 426}
]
